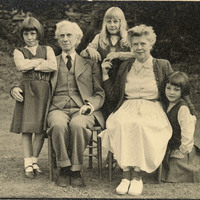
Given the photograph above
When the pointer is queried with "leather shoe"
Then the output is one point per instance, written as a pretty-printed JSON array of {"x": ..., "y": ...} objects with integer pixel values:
[
  {"x": 77, "y": 179},
  {"x": 63, "y": 177}
]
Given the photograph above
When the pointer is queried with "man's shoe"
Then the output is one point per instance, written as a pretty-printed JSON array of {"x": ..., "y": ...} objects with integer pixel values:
[
  {"x": 63, "y": 177},
  {"x": 123, "y": 187},
  {"x": 77, "y": 179},
  {"x": 136, "y": 187}
]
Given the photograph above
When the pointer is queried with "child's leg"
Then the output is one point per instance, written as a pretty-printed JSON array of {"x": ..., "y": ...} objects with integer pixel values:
[
  {"x": 28, "y": 152},
  {"x": 37, "y": 146},
  {"x": 27, "y": 145}
]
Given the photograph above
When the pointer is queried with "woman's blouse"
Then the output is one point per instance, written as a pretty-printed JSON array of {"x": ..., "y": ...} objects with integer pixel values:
[
  {"x": 187, "y": 124},
  {"x": 48, "y": 65},
  {"x": 141, "y": 82}
]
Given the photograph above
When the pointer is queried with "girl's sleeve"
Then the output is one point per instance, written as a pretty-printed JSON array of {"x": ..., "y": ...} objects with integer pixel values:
[
  {"x": 50, "y": 64},
  {"x": 94, "y": 43},
  {"x": 23, "y": 64},
  {"x": 187, "y": 124}
]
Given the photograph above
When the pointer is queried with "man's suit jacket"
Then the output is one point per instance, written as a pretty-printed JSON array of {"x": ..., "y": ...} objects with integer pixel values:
[{"x": 88, "y": 80}]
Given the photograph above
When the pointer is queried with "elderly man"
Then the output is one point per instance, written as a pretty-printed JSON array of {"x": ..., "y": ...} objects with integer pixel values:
[{"x": 77, "y": 98}]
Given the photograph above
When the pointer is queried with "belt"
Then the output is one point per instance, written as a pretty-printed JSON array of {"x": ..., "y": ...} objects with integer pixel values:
[{"x": 32, "y": 75}]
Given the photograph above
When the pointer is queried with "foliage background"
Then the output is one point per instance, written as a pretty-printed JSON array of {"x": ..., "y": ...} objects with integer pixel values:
[{"x": 176, "y": 23}]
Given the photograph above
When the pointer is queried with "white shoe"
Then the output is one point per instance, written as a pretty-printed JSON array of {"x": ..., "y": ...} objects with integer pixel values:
[
  {"x": 136, "y": 187},
  {"x": 123, "y": 187}
]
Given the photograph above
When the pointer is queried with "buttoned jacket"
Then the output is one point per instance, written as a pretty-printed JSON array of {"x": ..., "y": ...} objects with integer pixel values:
[{"x": 88, "y": 80}]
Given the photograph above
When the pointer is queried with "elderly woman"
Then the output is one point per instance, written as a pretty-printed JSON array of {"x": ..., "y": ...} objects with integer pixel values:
[{"x": 138, "y": 130}]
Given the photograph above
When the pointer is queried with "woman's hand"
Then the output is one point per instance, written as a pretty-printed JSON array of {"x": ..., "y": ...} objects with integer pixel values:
[
  {"x": 94, "y": 54},
  {"x": 16, "y": 94}
]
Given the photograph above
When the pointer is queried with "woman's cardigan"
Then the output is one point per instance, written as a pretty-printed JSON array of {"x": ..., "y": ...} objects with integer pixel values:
[{"x": 116, "y": 92}]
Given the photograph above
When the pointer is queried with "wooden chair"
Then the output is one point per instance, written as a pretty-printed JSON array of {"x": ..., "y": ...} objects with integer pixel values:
[
  {"x": 110, "y": 168},
  {"x": 94, "y": 143}
]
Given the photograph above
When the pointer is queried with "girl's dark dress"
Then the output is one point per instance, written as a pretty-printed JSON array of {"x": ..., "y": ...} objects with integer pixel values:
[
  {"x": 186, "y": 169},
  {"x": 107, "y": 107},
  {"x": 30, "y": 115}
]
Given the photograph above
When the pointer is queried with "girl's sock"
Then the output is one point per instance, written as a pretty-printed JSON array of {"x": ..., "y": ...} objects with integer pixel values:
[
  {"x": 28, "y": 162},
  {"x": 35, "y": 165}
]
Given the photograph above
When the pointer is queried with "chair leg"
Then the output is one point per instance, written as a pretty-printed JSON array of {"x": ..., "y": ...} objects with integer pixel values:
[
  {"x": 159, "y": 173},
  {"x": 99, "y": 153},
  {"x": 110, "y": 165},
  {"x": 50, "y": 158},
  {"x": 90, "y": 151}
]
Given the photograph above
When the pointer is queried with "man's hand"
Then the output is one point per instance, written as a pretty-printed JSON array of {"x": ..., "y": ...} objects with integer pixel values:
[
  {"x": 85, "y": 110},
  {"x": 16, "y": 94}
]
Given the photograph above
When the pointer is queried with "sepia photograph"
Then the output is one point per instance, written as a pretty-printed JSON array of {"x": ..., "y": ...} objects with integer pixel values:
[{"x": 99, "y": 99}]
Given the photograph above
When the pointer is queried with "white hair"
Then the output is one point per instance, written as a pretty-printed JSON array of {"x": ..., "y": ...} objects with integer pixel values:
[
  {"x": 142, "y": 30},
  {"x": 74, "y": 26}
]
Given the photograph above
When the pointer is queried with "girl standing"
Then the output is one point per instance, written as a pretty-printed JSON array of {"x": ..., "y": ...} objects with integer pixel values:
[
  {"x": 182, "y": 161},
  {"x": 110, "y": 47},
  {"x": 36, "y": 64}
]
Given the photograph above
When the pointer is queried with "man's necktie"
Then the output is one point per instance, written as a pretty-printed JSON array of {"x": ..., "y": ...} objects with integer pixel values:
[{"x": 69, "y": 62}]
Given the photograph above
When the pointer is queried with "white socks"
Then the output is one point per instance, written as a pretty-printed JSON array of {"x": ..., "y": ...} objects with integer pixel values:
[{"x": 28, "y": 162}]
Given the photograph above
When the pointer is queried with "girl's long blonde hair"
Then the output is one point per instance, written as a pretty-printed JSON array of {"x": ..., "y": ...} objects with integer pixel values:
[{"x": 116, "y": 13}]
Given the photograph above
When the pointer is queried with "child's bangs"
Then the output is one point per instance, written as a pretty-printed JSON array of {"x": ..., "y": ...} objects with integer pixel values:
[
  {"x": 175, "y": 83},
  {"x": 29, "y": 28},
  {"x": 113, "y": 14}
]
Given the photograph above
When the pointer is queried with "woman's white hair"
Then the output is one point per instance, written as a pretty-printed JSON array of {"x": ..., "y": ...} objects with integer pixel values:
[
  {"x": 140, "y": 31},
  {"x": 75, "y": 27}
]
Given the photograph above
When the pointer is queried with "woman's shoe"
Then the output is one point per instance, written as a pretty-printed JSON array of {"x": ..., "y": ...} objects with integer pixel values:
[
  {"x": 29, "y": 173},
  {"x": 123, "y": 187},
  {"x": 136, "y": 187},
  {"x": 36, "y": 168}
]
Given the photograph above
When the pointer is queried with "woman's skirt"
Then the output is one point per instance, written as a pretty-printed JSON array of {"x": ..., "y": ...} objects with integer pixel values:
[
  {"x": 137, "y": 134},
  {"x": 180, "y": 170},
  {"x": 30, "y": 116}
]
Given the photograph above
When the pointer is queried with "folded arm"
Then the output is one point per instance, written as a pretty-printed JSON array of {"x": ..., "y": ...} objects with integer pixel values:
[{"x": 48, "y": 65}]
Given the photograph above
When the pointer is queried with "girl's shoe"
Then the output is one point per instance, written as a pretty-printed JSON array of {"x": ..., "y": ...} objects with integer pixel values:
[
  {"x": 136, "y": 187},
  {"x": 29, "y": 172},
  {"x": 36, "y": 168},
  {"x": 123, "y": 187}
]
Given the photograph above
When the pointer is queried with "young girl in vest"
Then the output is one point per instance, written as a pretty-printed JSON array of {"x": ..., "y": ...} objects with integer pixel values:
[
  {"x": 182, "y": 160},
  {"x": 36, "y": 64},
  {"x": 110, "y": 46}
]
